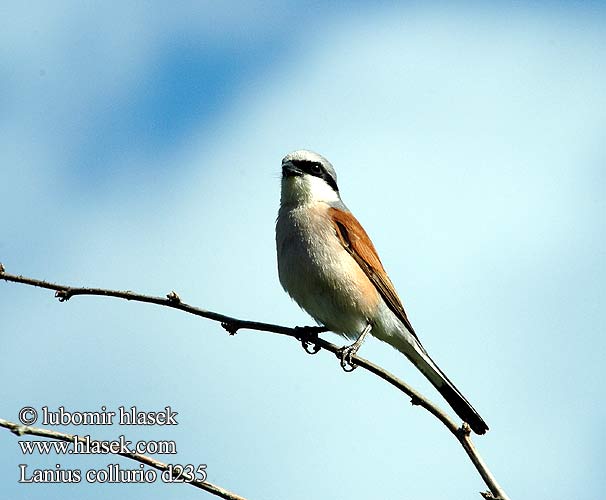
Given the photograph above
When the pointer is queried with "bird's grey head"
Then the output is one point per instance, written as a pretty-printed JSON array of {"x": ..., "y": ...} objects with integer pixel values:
[{"x": 308, "y": 177}]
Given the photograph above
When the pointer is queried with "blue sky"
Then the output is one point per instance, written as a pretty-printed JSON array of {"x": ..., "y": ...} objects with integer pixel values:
[{"x": 141, "y": 147}]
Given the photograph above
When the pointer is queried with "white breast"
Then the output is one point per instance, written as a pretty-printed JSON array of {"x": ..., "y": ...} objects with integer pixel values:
[{"x": 318, "y": 273}]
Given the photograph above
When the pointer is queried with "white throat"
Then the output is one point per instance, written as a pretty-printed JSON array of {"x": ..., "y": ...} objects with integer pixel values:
[{"x": 303, "y": 189}]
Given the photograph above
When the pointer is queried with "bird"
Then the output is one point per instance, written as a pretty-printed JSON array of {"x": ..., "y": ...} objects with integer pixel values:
[{"x": 329, "y": 266}]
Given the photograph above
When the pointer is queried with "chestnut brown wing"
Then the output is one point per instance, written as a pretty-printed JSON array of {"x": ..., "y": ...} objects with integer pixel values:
[{"x": 355, "y": 240}]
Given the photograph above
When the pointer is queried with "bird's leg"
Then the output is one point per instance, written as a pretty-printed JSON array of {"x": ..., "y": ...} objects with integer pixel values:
[
  {"x": 307, "y": 335},
  {"x": 345, "y": 353}
]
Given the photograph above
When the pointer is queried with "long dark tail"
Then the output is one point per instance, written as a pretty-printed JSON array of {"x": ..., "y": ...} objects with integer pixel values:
[{"x": 418, "y": 355}]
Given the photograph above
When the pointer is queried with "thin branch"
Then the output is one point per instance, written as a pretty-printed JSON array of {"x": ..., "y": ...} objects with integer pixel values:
[
  {"x": 20, "y": 430},
  {"x": 308, "y": 337}
]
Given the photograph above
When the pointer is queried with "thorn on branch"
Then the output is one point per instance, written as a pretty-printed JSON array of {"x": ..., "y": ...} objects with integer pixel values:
[
  {"x": 63, "y": 295},
  {"x": 2, "y": 268},
  {"x": 488, "y": 495},
  {"x": 19, "y": 430},
  {"x": 178, "y": 472},
  {"x": 231, "y": 328},
  {"x": 415, "y": 401},
  {"x": 173, "y": 297},
  {"x": 464, "y": 430}
]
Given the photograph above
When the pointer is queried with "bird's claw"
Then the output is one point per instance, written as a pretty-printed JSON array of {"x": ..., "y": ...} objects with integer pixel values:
[
  {"x": 310, "y": 347},
  {"x": 345, "y": 355},
  {"x": 307, "y": 336}
]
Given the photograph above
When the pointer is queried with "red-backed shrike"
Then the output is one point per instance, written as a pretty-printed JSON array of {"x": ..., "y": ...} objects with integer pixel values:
[{"x": 329, "y": 266}]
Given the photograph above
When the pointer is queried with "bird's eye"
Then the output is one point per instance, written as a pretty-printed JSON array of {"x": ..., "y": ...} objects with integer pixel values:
[{"x": 316, "y": 168}]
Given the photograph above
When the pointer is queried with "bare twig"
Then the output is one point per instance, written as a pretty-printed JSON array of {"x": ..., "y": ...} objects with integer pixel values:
[
  {"x": 232, "y": 325},
  {"x": 20, "y": 430}
]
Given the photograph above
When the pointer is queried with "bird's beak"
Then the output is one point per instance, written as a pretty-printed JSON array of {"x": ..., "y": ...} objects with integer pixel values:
[{"x": 290, "y": 170}]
